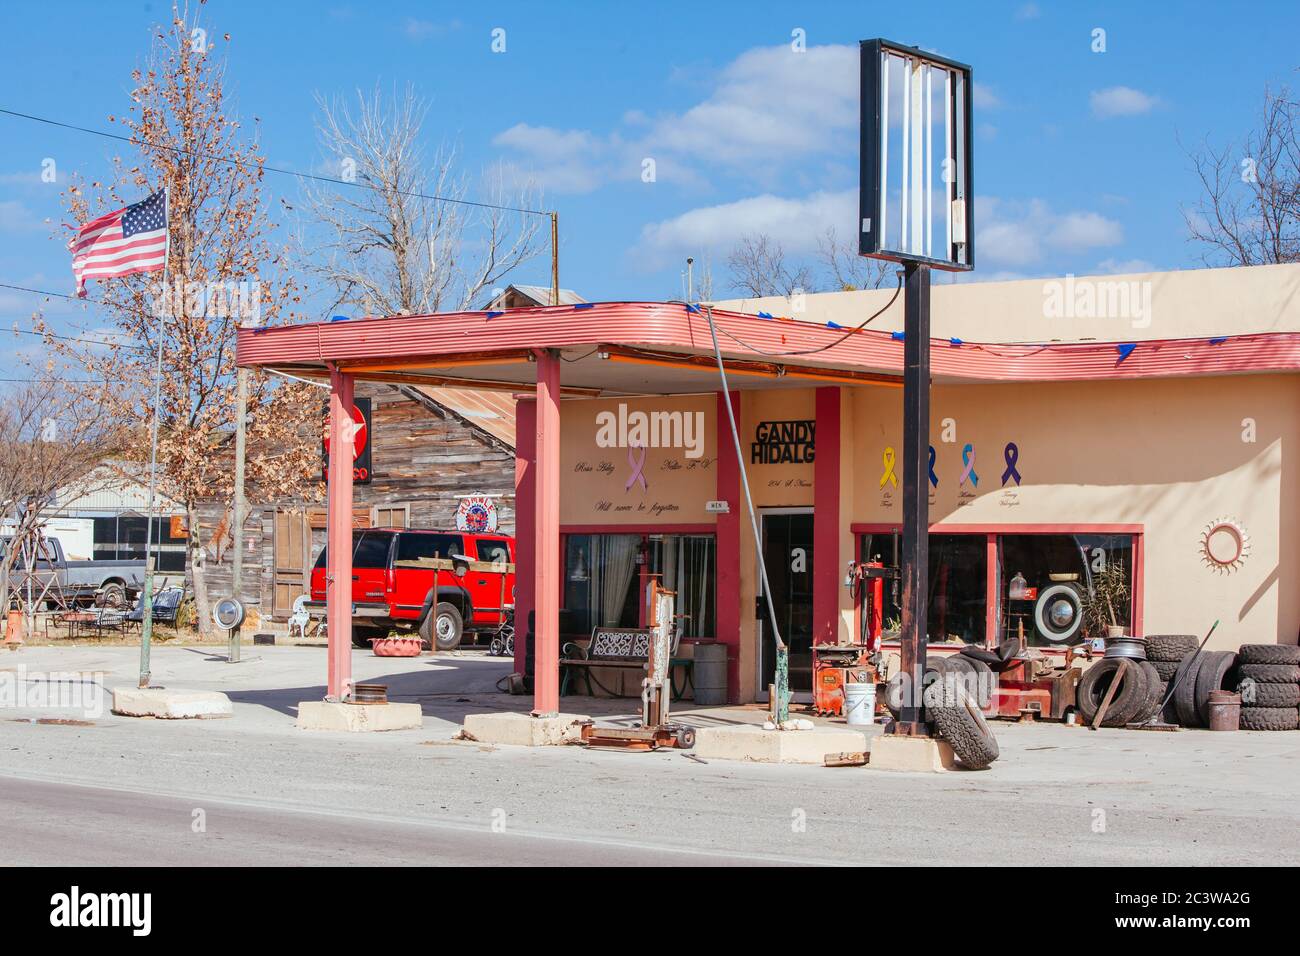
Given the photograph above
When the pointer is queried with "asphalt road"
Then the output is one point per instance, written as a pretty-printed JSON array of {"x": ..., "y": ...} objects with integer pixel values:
[
  {"x": 79, "y": 825},
  {"x": 117, "y": 791}
]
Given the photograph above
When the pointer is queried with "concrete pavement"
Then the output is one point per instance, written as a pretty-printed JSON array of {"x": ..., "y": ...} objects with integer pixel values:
[{"x": 1058, "y": 795}]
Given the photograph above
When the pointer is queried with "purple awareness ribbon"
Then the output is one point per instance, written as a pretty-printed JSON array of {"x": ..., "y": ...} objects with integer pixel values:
[
  {"x": 968, "y": 461},
  {"x": 637, "y": 466},
  {"x": 1012, "y": 455}
]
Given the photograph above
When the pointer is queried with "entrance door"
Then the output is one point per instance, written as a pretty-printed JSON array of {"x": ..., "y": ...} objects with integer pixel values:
[
  {"x": 291, "y": 545},
  {"x": 788, "y": 554}
]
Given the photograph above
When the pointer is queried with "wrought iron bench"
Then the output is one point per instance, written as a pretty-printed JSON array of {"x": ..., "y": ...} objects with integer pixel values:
[{"x": 624, "y": 648}]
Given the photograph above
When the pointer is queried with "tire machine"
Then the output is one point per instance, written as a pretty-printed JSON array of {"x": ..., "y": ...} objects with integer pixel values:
[{"x": 835, "y": 665}]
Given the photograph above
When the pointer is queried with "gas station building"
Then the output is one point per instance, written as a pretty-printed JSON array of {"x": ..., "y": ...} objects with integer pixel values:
[{"x": 1151, "y": 419}]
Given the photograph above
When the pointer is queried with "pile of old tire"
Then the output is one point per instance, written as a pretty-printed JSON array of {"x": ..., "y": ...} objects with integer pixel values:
[
  {"x": 1195, "y": 677},
  {"x": 1137, "y": 698},
  {"x": 1166, "y": 652},
  {"x": 1268, "y": 679},
  {"x": 955, "y": 696}
]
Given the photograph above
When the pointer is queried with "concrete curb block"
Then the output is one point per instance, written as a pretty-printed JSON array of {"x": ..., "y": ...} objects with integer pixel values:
[
  {"x": 358, "y": 718},
  {"x": 523, "y": 730},
  {"x": 917, "y": 754},
  {"x": 753, "y": 743},
  {"x": 170, "y": 704}
]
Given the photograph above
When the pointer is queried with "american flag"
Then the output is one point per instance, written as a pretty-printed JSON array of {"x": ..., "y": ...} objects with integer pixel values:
[{"x": 122, "y": 243}]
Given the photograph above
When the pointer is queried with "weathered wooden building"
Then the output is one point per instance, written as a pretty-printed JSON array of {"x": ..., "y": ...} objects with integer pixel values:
[{"x": 429, "y": 448}]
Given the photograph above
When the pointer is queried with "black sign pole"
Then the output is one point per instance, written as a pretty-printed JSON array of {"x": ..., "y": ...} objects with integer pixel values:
[{"x": 916, "y": 501}]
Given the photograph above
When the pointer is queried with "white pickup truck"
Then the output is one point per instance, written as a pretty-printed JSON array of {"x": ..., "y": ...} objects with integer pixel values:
[{"x": 111, "y": 583}]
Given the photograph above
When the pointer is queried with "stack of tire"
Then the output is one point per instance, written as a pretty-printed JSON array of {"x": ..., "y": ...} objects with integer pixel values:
[
  {"x": 1166, "y": 652},
  {"x": 955, "y": 706},
  {"x": 1268, "y": 679},
  {"x": 1136, "y": 698}
]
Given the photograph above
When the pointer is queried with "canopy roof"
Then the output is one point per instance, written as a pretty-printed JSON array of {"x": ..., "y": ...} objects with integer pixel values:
[{"x": 625, "y": 348}]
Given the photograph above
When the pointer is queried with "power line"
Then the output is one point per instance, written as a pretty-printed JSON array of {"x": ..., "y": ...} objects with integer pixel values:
[{"x": 270, "y": 169}]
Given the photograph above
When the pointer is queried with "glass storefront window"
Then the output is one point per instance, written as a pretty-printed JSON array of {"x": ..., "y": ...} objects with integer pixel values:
[
  {"x": 958, "y": 585},
  {"x": 1046, "y": 580},
  {"x": 685, "y": 563},
  {"x": 1043, "y": 584},
  {"x": 602, "y": 579}
]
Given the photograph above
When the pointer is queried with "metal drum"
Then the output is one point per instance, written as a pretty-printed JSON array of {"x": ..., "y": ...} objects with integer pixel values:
[{"x": 710, "y": 674}]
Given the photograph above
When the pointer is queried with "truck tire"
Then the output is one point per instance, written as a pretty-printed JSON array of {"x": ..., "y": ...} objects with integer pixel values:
[
  {"x": 1213, "y": 675},
  {"x": 1269, "y": 718},
  {"x": 1171, "y": 647},
  {"x": 363, "y": 634},
  {"x": 976, "y": 675},
  {"x": 1155, "y": 692},
  {"x": 442, "y": 626},
  {"x": 1129, "y": 697},
  {"x": 112, "y": 594},
  {"x": 894, "y": 689},
  {"x": 1268, "y": 654},
  {"x": 1166, "y": 669},
  {"x": 1185, "y": 692},
  {"x": 1270, "y": 673},
  {"x": 960, "y": 723},
  {"x": 1255, "y": 694}
]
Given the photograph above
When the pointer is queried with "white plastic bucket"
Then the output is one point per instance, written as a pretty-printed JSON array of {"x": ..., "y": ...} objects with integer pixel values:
[{"x": 860, "y": 704}]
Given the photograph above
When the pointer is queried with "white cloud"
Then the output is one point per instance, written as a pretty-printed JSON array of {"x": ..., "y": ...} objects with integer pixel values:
[
  {"x": 1124, "y": 266},
  {"x": 1121, "y": 101},
  {"x": 1028, "y": 11},
  {"x": 15, "y": 217},
  {"x": 795, "y": 223},
  {"x": 1020, "y": 234},
  {"x": 767, "y": 110},
  {"x": 1085, "y": 230},
  {"x": 984, "y": 98}
]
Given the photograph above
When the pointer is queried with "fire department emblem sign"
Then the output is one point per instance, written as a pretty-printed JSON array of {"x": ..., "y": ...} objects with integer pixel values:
[{"x": 476, "y": 513}]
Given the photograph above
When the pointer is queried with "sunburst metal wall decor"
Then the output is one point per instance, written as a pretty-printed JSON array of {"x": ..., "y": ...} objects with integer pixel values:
[{"x": 1225, "y": 545}]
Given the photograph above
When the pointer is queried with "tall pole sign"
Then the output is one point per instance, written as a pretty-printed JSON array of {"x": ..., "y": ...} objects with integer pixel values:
[{"x": 914, "y": 196}]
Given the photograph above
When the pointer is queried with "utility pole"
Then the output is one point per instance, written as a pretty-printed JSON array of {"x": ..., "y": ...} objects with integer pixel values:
[
  {"x": 555, "y": 258},
  {"x": 238, "y": 505}
]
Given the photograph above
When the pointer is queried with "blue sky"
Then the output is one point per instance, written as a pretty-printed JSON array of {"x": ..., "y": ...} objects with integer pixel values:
[{"x": 1078, "y": 162}]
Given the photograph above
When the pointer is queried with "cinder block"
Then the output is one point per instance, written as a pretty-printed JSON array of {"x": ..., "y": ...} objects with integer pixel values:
[
  {"x": 332, "y": 715},
  {"x": 752, "y": 742},
  {"x": 918, "y": 754},
  {"x": 523, "y": 730},
  {"x": 170, "y": 704}
]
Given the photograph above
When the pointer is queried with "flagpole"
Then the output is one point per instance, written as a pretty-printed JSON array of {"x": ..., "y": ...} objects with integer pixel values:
[{"x": 146, "y": 599}]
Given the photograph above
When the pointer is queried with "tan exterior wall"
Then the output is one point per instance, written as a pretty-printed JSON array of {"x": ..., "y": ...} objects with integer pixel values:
[
  {"x": 1166, "y": 454},
  {"x": 594, "y": 479},
  {"x": 1196, "y": 303}
]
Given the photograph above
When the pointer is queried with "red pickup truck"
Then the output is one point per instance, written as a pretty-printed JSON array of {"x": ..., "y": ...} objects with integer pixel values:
[{"x": 442, "y": 583}]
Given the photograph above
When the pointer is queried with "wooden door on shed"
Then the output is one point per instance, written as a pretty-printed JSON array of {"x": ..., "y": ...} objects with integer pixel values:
[{"x": 290, "y": 576}]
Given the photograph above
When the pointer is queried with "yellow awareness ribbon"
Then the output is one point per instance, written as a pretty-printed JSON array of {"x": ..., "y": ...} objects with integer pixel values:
[{"x": 888, "y": 459}]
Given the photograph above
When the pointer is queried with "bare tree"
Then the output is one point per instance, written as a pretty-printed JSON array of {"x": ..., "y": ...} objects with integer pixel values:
[
  {"x": 848, "y": 270},
  {"x": 52, "y": 437},
  {"x": 759, "y": 268},
  {"x": 1249, "y": 210},
  {"x": 221, "y": 271},
  {"x": 389, "y": 250}
]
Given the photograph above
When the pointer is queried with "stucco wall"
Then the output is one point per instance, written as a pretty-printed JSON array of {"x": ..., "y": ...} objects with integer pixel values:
[{"x": 1169, "y": 455}]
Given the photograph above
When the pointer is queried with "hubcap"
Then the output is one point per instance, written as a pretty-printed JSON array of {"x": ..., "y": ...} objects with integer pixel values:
[{"x": 445, "y": 628}]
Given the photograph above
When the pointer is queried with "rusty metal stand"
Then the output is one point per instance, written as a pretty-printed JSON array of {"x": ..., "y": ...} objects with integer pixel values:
[{"x": 656, "y": 690}]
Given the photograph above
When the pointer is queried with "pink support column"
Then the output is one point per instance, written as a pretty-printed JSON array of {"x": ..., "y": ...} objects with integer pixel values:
[
  {"x": 525, "y": 523},
  {"x": 728, "y": 590},
  {"x": 338, "y": 537},
  {"x": 828, "y": 572},
  {"x": 546, "y": 535}
]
